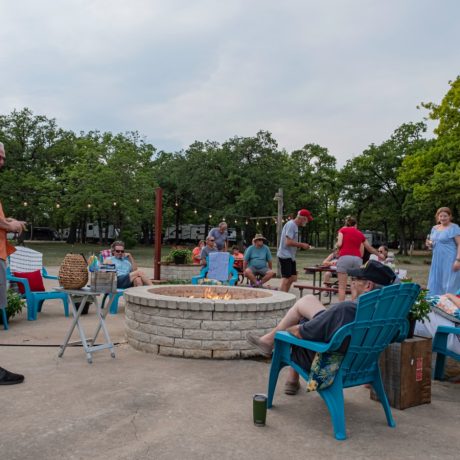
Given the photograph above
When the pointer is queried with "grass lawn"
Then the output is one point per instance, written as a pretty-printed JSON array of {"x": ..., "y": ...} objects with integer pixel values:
[{"x": 417, "y": 266}]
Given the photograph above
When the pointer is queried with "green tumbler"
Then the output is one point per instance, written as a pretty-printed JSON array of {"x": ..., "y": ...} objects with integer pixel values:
[{"x": 259, "y": 409}]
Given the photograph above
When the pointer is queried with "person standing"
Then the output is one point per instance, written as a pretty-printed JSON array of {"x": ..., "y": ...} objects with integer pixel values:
[
  {"x": 444, "y": 240},
  {"x": 289, "y": 242},
  {"x": 6, "y": 225},
  {"x": 350, "y": 243},
  {"x": 220, "y": 235}
]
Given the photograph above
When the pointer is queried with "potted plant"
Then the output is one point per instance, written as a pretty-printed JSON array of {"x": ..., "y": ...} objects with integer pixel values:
[
  {"x": 419, "y": 311},
  {"x": 180, "y": 256},
  {"x": 14, "y": 306}
]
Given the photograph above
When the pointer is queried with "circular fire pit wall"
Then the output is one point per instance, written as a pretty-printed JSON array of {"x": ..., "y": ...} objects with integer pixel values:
[{"x": 182, "y": 321}]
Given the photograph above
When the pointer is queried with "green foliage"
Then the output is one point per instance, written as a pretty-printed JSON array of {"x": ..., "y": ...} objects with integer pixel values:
[
  {"x": 15, "y": 303},
  {"x": 421, "y": 307},
  {"x": 179, "y": 253}
]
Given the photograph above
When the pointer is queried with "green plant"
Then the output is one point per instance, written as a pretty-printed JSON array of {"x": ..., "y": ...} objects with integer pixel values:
[
  {"x": 15, "y": 303},
  {"x": 179, "y": 253},
  {"x": 421, "y": 307}
]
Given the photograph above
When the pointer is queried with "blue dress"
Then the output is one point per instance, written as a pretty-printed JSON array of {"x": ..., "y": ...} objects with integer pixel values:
[{"x": 443, "y": 279}]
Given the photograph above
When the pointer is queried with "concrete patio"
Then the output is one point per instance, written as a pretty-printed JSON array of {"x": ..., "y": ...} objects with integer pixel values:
[{"x": 145, "y": 406}]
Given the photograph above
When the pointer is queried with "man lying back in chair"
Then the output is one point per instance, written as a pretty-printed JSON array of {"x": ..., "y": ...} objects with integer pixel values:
[
  {"x": 128, "y": 274},
  {"x": 308, "y": 319}
]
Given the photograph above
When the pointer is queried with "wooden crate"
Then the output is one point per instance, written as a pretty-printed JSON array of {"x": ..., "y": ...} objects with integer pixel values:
[
  {"x": 406, "y": 373},
  {"x": 104, "y": 281}
]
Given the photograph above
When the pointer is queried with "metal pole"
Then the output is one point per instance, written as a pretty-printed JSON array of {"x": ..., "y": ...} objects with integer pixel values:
[
  {"x": 279, "y": 224},
  {"x": 158, "y": 228}
]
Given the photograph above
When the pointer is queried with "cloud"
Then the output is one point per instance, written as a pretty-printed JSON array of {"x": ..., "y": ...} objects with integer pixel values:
[{"x": 341, "y": 74}]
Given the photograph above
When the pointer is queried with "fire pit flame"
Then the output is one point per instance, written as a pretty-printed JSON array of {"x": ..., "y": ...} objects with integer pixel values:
[{"x": 208, "y": 293}]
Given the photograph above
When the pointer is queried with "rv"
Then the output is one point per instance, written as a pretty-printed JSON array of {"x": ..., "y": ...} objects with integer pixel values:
[
  {"x": 93, "y": 235},
  {"x": 375, "y": 239},
  {"x": 190, "y": 233}
]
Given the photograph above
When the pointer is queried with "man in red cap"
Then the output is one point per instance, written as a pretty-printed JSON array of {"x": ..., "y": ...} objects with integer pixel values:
[{"x": 289, "y": 243}]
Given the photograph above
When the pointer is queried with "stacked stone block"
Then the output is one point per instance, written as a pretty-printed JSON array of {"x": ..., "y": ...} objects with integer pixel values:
[{"x": 198, "y": 327}]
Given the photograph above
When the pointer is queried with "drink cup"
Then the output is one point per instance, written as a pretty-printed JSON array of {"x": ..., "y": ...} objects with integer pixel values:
[{"x": 259, "y": 409}]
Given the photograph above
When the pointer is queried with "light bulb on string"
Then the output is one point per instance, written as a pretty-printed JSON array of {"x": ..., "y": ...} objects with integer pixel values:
[
  {"x": 247, "y": 222},
  {"x": 210, "y": 216},
  {"x": 236, "y": 221},
  {"x": 176, "y": 204},
  {"x": 25, "y": 203},
  {"x": 58, "y": 205},
  {"x": 137, "y": 200},
  {"x": 195, "y": 211},
  {"x": 266, "y": 222},
  {"x": 114, "y": 203},
  {"x": 89, "y": 205}
]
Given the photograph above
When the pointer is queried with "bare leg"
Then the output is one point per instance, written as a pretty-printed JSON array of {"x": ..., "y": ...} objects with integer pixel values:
[
  {"x": 327, "y": 278},
  {"x": 306, "y": 307},
  {"x": 287, "y": 282},
  {"x": 268, "y": 276},
  {"x": 293, "y": 376},
  {"x": 250, "y": 276},
  {"x": 342, "y": 285},
  {"x": 139, "y": 278}
]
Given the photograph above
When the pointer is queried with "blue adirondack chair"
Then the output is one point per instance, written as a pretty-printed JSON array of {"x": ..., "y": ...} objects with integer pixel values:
[
  {"x": 27, "y": 260},
  {"x": 219, "y": 266},
  {"x": 440, "y": 347},
  {"x": 381, "y": 318}
]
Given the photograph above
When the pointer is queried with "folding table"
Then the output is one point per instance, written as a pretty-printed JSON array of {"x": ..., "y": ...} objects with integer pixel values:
[{"x": 82, "y": 296}]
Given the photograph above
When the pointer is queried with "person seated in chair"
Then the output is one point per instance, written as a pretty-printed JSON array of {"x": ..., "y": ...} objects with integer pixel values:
[
  {"x": 308, "y": 319},
  {"x": 330, "y": 261},
  {"x": 258, "y": 262},
  {"x": 239, "y": 257},
  {"x": 196, "y": 253},
  {"x": 128, "y": 274},
  {"x": 210, "y": 247}
]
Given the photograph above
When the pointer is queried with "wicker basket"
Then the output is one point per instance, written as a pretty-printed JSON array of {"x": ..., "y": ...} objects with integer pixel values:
[{"x": 73, "y": 272}]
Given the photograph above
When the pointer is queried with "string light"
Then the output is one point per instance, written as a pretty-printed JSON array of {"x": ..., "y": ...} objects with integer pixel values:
[
  {"x": 89, "y": 205},
  {"x": 236, "y": 221},
  {"x": 210, "y": 216},
  {"x": 177, "y": 204},
  {"x": 223, "y": 219},
  {"x": 25, "y": 203},
  {"x": 266, "y": 222},
  {"x": 114, "y": 203},
  {"x": 247, "y": 222},
  {"x": 195, "y": 211},
  {"x": 137, "y": 200},
  {"x": 58, "y": 205}
]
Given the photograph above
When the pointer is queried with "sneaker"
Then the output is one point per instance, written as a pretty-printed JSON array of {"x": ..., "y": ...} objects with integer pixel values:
[
  {"x": 265, "y": 349},
  {"x": 8, "y": 378}
]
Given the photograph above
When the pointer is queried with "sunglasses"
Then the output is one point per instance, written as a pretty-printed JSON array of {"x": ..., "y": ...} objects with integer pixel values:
[
  {"x": 212, "y": 240},
  {"x": 116, "y": 251}
]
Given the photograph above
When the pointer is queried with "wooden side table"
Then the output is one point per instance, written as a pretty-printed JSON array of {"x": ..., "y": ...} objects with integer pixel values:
[{"x": 406, "y": 373}]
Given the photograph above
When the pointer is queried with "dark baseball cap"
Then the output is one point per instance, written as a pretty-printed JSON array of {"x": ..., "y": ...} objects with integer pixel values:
[{"x": 374, "y": 271}]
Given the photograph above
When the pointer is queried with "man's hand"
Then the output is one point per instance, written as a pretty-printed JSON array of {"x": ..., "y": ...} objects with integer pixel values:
[
  {"x": 304, "y": 245},
  {"x": 17, "y": 226},
  {"x": 295, "y": 331}
]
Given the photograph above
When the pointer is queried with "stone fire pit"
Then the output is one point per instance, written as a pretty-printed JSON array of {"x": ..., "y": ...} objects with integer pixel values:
[{"x": 178, "y": 320}]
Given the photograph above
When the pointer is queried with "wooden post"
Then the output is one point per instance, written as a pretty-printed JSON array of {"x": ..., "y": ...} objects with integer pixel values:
[
  {"x": 158, "y": 228},
  {"x": 279, "y": 224}
]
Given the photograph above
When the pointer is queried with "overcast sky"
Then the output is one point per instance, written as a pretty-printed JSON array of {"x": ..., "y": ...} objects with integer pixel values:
[{"x": 339, "y": 73}]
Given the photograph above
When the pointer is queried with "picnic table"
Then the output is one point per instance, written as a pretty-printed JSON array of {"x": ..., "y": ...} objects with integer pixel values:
[{"x": 318, "y": 288}]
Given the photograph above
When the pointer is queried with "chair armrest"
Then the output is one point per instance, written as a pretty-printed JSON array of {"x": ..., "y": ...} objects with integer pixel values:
[
  {"x": 23, "y": 281},
  {"x": 284, "y": 336},
  {"x": 447, "y": 330},
  {"x": 45, "y": 275}
]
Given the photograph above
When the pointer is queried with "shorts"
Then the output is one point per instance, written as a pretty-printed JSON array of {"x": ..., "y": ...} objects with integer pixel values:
[
  {"x": 123, "y": 282},
  {"x": 3, "y": 300},
  {"x": 302, "y": 356},
  {"x": 346, "y": 263},
  {"x": 259, "y": 271},
  {"x": 288, "y": 267}
]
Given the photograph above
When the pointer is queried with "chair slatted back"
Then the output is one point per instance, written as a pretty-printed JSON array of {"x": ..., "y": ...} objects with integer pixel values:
[
  {"x": 381, "y": 318},
  {"x": 219, "y": 266},
  {"x": 25, "y": 260}
]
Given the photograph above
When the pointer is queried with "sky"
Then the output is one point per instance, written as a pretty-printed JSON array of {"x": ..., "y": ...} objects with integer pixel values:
[{"x": 339, "y": 73}]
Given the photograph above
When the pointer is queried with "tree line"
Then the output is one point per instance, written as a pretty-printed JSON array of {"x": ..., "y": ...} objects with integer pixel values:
[{"x": 55, "y": 177}]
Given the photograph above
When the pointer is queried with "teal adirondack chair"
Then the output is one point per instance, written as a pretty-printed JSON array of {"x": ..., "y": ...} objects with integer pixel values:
[
  {"x": 440, "y": 347},
  {"x": 219, "y": 266},
  {"x": 381, "y": 318},
  {"x": 27, "y": 260}
]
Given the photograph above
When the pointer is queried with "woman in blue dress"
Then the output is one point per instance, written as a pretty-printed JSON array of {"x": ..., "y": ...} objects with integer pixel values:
[{"x": 445, "y": 264}]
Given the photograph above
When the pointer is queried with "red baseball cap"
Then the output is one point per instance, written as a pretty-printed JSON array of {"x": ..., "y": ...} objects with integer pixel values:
[{"x": 305, "y": 213}]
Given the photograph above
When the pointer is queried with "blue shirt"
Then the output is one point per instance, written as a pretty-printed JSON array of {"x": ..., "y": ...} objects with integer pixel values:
[
  {"x": 257, "y": 258},
  {"x": 219, "y": 237},
  {"x": 123, "y": 266},
  {"x": 290, "y": 230}
]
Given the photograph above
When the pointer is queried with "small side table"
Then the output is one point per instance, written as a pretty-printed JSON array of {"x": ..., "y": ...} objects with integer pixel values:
[
  {"x": 82, "y": 296},
  {"x": 406, "y": 373}
]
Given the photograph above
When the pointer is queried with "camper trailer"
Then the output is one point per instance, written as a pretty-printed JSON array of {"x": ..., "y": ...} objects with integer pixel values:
[
  {"x": 375, "y": 239},
  {"x": 191, "y": 233},
  {"x": 93, "y": 234}
]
